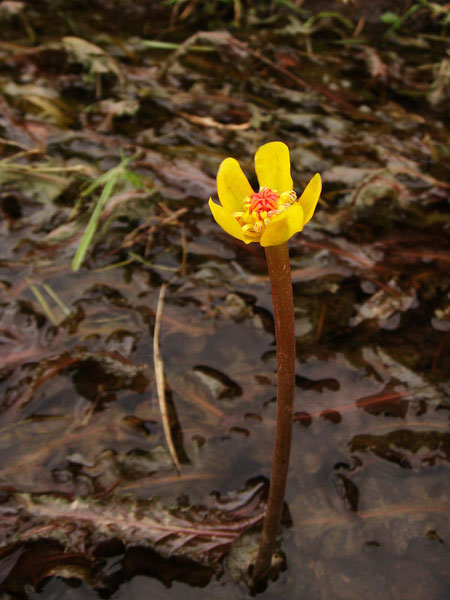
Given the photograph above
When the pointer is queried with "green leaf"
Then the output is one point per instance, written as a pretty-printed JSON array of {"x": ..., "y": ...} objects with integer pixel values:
[{"x": 391, "y": 18}]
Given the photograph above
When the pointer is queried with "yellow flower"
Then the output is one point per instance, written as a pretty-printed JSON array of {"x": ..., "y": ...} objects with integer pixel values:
[{"x": 272, "y": 215}]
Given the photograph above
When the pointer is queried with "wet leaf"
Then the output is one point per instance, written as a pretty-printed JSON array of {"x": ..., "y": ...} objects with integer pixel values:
[
  {"x": 384, "y": 304},
  {"x": 219, "y": 384},
  {"x": 408, "y": 449},
  {"x": 94, "y": 59},
  {"x": 35, "y": 183},
  {"x": 196, "y": 532}
]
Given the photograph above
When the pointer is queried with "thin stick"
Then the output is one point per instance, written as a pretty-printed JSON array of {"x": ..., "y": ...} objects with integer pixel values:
[
  {"x": 160, "y": 383},
  {"x": 283, "y": 310}
]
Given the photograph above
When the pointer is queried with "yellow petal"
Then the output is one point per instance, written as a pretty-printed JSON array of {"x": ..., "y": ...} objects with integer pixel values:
[
  {"x": 232, "y": 185},
  {"x": 273, "y": 167},
  {"x": 308, "y": 200},
  {"x": 283, "y": 227},
  {"x": 226, "y": 220}
]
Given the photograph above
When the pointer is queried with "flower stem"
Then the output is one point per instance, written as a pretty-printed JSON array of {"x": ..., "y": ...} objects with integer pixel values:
[{"x": 283, "y": 309}]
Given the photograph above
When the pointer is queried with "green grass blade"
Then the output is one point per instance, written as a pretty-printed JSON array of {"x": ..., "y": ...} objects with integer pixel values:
[
  {"x": 160, "y": 45},
  {"x": 142, "y": 260},
  {"x": 91, "y": 228},
  {"x": 122, "y": 263},
  {"x": 43, "y": 302},
  {"x": 54, "y": 296}
]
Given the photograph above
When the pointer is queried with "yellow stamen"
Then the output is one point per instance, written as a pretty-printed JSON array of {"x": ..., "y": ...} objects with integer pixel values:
[
  {"x": 253, "y": 220},
  {"x": 288, "y": 197}
]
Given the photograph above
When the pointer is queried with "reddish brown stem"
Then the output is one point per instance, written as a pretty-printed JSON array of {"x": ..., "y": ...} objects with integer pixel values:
[{"x": 283, "y": 310}]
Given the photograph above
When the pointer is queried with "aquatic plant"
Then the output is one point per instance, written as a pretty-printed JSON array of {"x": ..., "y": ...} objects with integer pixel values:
[
  {"x": 270, "y": 216},
  {"x": 108, "y": 182}
]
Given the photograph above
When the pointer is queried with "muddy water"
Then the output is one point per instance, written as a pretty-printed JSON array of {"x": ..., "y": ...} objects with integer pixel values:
[{"x": 91, "y": 504}]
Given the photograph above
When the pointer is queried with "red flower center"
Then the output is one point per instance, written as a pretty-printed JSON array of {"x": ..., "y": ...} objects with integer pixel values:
[{"x": 263, "y": 201}]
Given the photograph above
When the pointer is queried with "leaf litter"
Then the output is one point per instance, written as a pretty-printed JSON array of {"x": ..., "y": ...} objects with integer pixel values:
[{"x": 85, "y": 468}]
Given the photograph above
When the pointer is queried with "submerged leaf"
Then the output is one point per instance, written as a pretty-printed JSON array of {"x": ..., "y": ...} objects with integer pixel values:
[{"x": 201, "y": 534}]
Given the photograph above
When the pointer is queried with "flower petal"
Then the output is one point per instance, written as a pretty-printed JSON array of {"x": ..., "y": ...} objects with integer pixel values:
[
  {"x": 283, "y": 227},
  {"x": 273, "y": 167},
  {"x": 226, "y": 220},
  {"x": 308, "y": 200},
  {"x": 232, "y": 185}
]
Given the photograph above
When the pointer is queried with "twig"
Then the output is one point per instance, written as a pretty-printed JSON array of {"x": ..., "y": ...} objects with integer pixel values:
[
  {"x": 210, "y": 122},
  {"x": 160, "y": 384}
]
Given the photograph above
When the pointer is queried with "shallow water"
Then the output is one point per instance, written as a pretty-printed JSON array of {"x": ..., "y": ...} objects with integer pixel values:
[{"x": 84, "y": 462}]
